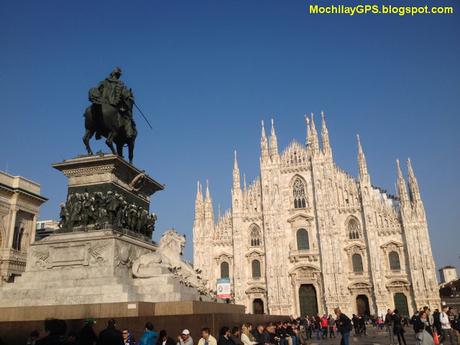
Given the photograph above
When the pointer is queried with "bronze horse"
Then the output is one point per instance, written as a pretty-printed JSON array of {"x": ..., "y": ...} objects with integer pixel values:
[{"x": 107, "y": 121}]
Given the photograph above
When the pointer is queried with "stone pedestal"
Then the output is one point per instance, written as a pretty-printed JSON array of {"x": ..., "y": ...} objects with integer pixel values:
[
  {"x": 91, "y": 267},
  {"x": 105, "y": 191},
  {"x": 103, "y": 252}
]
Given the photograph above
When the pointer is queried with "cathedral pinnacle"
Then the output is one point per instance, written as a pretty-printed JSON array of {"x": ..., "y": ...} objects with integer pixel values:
[
  {"x": 402, "y": 190},
  {"x": 199, "y": 207},
  {"x": 208, "y": 208},
  {"x": 314, "y": 136},
  {"x": 263, "y": 143},
  {"x": 325, "y": 136},
  {"x": 273, "y": 141},
  {"x": 308, "y": 139},
  {"x": 363, "y": 173},
  {"x": 236, "y": 174},
  {"x": 413, "y": 184}
]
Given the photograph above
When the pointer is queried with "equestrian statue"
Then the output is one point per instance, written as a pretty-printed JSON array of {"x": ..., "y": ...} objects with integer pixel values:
[{"x": 111, "y": 115}]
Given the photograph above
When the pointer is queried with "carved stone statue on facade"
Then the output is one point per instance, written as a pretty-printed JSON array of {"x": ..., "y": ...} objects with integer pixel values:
[{"x": 111, "y": 115}]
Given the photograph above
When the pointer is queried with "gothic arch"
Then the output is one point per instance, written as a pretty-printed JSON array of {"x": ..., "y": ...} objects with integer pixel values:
[
  {"x": 255, "y": 236},
  {"x": 299, "y": 192},
  {"x": 353, "y": 227}
]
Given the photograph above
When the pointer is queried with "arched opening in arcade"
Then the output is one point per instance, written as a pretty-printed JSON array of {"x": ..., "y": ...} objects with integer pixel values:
[
  {"x": 307, "y": 300},
  {"x": 258, "y": 306},
  {"x": 362, "y": 305}
]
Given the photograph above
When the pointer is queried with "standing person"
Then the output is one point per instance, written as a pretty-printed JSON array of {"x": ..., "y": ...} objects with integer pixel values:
[
  {"x": 87, "y": 336},
  {"x": 389, "y": 326},
  {"x": 330, "y": 326},
  {"x": 163, "y": 339},
  {"x": 446, "y": 328},
  {"x": 207, "y": 338},
  {"x": 111, "y": 335},
  {"x": 437, "y": 321},
  {"x": 128, "y": 339},
  {"x": 149, "y": 337},
  {"x": 224, "y": 337},
  {"x": 185, "y": 338},
  {"x": 422, "y": 329},
  {"x": 324, "y": 326},
  {"x": 343, "y": 326},
  {"x": 398, "y": 329},
  {"x": 55, "y": 332}
]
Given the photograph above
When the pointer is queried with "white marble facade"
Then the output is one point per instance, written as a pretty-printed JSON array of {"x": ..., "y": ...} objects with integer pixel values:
[{"x": 306, "y": 237}]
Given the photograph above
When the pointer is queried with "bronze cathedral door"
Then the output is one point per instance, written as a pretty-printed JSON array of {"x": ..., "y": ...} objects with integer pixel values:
[{"x": 308, "y": 301}]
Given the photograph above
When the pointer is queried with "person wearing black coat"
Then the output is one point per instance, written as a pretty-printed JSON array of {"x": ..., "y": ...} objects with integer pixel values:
[
  {"x": 343, "y": 326},
  {"x": 111, "y": 335},
  {"x": 398, "y": 329},
  {"x": 163, "y": 339},
  {"x": 224, "y": 337},
  {"x": 87, "y": 336}
]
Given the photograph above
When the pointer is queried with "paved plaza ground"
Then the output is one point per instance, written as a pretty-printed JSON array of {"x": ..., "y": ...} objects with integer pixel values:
[{"x": 373, "y": 337}]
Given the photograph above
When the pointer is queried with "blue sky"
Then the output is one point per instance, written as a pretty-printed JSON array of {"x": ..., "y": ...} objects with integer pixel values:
[{"x": 207, "y": 73}]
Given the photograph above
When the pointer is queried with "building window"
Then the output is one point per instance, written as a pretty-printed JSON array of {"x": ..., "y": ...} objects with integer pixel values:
[
  {"x": 224, "y": 270},
  {"x": 302, "y": 240},
  {"x": 357, "y": 262},
  {"x": 299, "y": 194},
  {"x": 255, "y": 269},
  {"x": 395, "y": 264},
  {"x": 353, "y": 229},
  {"x": 255, "y": 236}
]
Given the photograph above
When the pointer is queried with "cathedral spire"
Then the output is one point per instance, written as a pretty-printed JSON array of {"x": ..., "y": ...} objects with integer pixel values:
[
  {"x": 402, "y": 190},
  {"x": 325, "y": 136},
  {"x": 414, "y": 191},
  {"x": 363, "y": 173},
  {"x": 236, "y": 174},
  {"x": 308, "y": 138},
  {"x": 199, "y": 206},
  {"x": 244, "y": 182},
  {"x": 208, "y": 208},
  {"x": 273, "y": 142},
  {"x": 263, "y": 144},
  {"x": 314, "y": 136}
]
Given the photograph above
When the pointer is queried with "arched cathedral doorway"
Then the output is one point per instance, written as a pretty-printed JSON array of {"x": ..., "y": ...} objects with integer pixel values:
[
  {"x": 258, "y": 306},
  {"x": 362, "y": 305},
  {"x": 308, "y": 301},
  {"x": 400, "y": 300}
]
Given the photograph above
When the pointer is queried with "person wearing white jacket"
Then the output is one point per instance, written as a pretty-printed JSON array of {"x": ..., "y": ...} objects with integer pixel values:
[
  {"x": 445, "y": 326},
  {"x": 246, "y": 336}
]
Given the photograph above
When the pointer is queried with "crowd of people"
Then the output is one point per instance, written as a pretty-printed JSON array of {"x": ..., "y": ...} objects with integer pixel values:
[{"x": 431, "y": 328}]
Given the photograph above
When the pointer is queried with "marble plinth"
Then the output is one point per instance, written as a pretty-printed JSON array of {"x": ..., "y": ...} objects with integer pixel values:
[{"x": 92, "y": 267}]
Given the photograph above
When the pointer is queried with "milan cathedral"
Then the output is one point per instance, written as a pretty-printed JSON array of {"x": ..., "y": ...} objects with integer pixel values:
[{"x": 306, "y": 237}]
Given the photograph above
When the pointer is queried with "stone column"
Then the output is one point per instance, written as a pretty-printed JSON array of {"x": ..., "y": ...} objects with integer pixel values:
[
  {"x": 10, "y": 234},
  {"x": 33, "y": 230}
]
